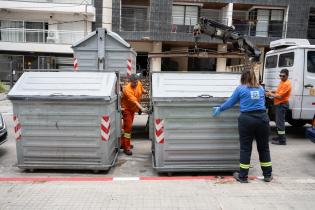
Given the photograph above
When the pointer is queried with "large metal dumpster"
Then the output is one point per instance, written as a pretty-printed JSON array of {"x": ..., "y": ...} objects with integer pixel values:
[
  {"x": 105, "y": 50},
  {"x": 66, "y": 120},
  {"x": 185, "y": 136}
]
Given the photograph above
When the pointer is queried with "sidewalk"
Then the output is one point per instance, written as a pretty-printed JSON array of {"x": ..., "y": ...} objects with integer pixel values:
[{"x": 285, "y": 193}]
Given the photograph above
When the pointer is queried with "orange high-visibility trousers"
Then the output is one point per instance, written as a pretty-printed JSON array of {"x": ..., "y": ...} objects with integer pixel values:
[{"x": 128, "y": 117}]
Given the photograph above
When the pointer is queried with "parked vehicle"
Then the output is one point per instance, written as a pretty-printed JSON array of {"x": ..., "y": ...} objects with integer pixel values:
[
  {"x": 3, "y": 131},
  {"x": 298, "y": 56}
]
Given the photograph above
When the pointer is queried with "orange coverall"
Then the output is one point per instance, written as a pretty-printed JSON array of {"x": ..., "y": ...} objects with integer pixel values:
[{"x": 129, "y": 97}]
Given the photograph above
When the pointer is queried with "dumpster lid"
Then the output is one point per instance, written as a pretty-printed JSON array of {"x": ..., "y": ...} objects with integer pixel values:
[
  {"x": 192, "y": 85},
  {"x": 63, "y": 85},
  {"x": 94, "y": 33}
]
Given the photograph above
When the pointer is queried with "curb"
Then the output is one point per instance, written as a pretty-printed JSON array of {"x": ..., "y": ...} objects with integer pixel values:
[{"x": 103, "y": 179}]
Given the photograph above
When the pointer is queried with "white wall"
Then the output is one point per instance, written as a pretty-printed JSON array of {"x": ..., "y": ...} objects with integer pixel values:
[
  {"x": 107, "y": 14},
  {"x": 47, "y": 7}
]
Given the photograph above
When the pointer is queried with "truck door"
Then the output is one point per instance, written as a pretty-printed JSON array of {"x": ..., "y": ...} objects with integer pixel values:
[{"x": 308, "y": 101}]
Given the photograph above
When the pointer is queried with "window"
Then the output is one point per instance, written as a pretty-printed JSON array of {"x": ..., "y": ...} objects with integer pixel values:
[
  {"x": 271, "y": 61},
  {"x": 311, "y": 61},
  {"x": 185, "y": 15},
  {"x": 23, "y": 31},
  {"x": 267, "y": 22},
  {"x": 134, "y": 18},
  {"x": 30, "y": 62},
  {"x": 35, "y": 31},
  {"x": 286, "y": 59},
  {"x": 276, "y": 23},
  {"x": 11, "y": 31},
  {"x": 311, "y": 24}
]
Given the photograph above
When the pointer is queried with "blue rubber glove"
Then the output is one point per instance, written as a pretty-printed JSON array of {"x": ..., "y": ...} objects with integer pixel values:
[{"x": 216, "y": 111}]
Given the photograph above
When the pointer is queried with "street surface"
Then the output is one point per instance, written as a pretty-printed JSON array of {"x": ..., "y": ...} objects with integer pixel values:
[{"x": 133, "y": 183}]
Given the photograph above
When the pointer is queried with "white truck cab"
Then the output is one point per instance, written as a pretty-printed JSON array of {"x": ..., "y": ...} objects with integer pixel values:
[{"x": 298, "y": 56}]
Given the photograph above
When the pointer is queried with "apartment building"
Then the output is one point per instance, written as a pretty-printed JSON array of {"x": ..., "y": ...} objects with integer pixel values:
[
  {"x": 38, "y": 34},
  {"x": 159, "y": 26}
]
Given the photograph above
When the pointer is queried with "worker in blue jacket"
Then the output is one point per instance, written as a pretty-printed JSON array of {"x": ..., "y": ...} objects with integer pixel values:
[{"x": 253, "y": 122}]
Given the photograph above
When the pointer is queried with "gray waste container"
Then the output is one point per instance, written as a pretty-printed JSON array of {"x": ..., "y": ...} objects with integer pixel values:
[
  {"x": 66, "y": 120},
  {"x": 105, "y": 51},
  {"x": 185, "y": 136}
]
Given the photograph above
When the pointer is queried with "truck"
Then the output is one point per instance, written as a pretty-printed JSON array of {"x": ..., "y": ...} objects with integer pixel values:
[{"x": 298, "y": 56}]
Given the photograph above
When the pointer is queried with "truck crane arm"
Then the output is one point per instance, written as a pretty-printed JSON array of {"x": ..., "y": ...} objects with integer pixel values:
[{"x": 227, "y": 34}]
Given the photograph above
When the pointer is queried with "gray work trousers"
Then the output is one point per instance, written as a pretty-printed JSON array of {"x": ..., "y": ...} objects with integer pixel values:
[{"x": 280, "y": 120}]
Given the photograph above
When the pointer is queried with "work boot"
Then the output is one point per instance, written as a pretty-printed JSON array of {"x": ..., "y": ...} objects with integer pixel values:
[
  {"x": 127, "y": 151},
  {"x": 268, "y": 178},
  {"x": 279, "y": 142},
  {"x": 236, "y": 176}
]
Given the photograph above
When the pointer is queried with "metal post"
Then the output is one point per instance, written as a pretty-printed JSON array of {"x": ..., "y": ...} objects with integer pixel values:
[
  {"x": 12, "y": 74},
  {"x": 85, "y": 18}
]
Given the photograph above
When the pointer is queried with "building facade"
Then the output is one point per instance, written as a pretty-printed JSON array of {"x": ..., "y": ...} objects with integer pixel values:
[
  {"x": 166, "y": 26},
  {"x": 38, "y": 34}
]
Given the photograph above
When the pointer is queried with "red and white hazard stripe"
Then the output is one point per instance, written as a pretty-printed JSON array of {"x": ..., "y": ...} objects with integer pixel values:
[
  {"x": 75, "y": 64},
  {"x": 129, "y": 67},
  {"x": 17, "y": 128},
  {"x": 105, "y": 128},
  {"x": 159, "y": 131}
]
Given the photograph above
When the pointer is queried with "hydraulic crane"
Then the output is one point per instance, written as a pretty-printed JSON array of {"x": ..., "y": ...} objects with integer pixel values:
[{"x": 226, "y": 34}]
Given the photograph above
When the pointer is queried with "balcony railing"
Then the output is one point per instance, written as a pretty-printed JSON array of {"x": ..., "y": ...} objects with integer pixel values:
[
  {"x": 58, "y": 1},
  {"x": 261, "y": 29},
  {"x": 134, "y": 24},
  {"x": 247, "y": 28},
  {"x": 40, "y": 36}
]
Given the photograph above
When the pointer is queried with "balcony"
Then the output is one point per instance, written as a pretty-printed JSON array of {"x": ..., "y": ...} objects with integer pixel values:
[
  {"x": 20, "y": 35},
  {"x": 44, "y": 6},
  {"x": 89, "y": 2},
  {"x": 261, "y": 29},
  {"x": 133, "y": 24}
]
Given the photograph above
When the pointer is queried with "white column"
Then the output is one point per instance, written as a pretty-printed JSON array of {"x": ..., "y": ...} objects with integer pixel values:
[
  {"x": 227, "y": 14},
  {"x": 107, "y": 14},
  {"x": 261, "y": 62},
  {"x": 155, "y": 63},
  {"x": 181, "y": 61},
  {"x": 221, "y": 62},
  {"x": 227, "y": 19}
]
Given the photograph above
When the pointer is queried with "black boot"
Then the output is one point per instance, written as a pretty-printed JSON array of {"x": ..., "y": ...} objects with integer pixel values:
[
  {"x": 280, "y": 140},
  {"x": 268, "y": 178},
  {"x": 237, "y": 177}
]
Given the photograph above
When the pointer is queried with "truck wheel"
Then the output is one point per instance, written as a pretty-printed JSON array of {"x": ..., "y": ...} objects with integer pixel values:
[
  {"x": 296, "y": 123},
  {"x": 293, "y": 122}
]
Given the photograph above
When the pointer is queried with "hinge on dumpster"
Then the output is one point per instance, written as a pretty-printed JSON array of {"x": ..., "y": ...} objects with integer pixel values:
[
  {"x": 105, "y": 128},
  {"x": 17, "y": 128},
  {"x": 159, "y": 131}
]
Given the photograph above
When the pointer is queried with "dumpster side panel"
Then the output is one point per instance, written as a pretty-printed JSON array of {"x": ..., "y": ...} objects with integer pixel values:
[
  {"x": 111, "y": 147},
  {"x": 64, "y": 134},
  {"x": 87, "y": 59},
  {"x": 86, "y": 54},
  {"x": 117, "y": 60},
  {"x": 193, "y": 139}
]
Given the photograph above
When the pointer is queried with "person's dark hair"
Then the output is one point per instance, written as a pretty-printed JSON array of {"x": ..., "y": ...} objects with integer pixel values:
[
  {"x": 249, "y": 78},
  {"x": 285, "y": 71},
  {"x": 133, "y": 77}
]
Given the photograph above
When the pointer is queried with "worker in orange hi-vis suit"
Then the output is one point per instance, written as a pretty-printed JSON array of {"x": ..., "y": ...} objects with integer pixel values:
[{"x": 130, "y": 104}]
